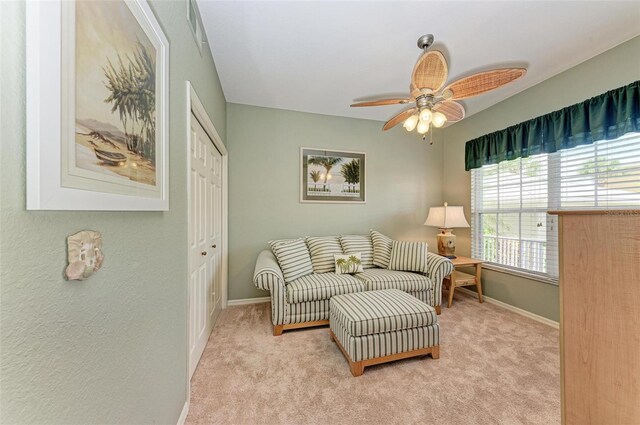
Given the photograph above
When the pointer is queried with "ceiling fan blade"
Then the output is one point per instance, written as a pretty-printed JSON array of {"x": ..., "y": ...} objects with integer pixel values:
[
  {"x": 482, "y": 82},
  {"x": 430, "y": 72},
  {"x": 452, "y": 110},
  {"x": 381, "y": 102},
  {"x": 399, "y": 118}
]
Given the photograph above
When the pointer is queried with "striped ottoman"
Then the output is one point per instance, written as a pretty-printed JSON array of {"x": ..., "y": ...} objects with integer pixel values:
[{"x": 376, "y": 327}]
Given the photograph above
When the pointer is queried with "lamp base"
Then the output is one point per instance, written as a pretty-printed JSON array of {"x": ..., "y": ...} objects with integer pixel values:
[{"x": 446, "y": 243}]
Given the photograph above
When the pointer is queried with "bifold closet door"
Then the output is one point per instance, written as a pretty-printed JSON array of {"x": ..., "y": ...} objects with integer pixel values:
[{"x": 205, "y": 240}]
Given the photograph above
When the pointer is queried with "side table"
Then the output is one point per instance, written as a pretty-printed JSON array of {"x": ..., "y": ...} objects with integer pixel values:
[{"x": 456, "y": 278}]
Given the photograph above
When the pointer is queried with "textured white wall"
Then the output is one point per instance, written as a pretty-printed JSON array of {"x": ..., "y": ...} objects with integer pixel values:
[{"x": 111, "y": 349}]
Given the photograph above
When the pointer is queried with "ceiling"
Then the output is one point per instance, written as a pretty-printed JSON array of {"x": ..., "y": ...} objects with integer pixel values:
[{"x": 321, "y": 56}]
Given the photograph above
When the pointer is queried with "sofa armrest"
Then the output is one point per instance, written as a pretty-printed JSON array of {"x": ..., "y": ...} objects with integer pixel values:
[
  {"x": 268, "y": 276},
  {"x": 438, "y": 267},
  {"x": 267, "y": 272}
]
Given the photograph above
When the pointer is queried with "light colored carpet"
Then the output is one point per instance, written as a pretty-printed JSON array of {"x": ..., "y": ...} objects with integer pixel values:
[{"x": 495, "y": 367}]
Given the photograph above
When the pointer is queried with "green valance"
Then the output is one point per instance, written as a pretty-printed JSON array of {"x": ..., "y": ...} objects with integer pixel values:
[{"x": 607, "y": 116}]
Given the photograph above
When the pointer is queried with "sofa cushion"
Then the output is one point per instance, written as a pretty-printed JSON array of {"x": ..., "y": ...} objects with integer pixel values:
[
  {"x": 374, "y": 312},
  {"x": 316, "y": 287},
  {"x": 408, "y": 256},
  {"x": 275, "y": 242},
  {"x": 322, "y": 250},
  {"x": 293, "y": 258},
  {"x": 381, "y": 249},
  {"x": 377, "y": 279},
  {"x": 362, "y": 244}
]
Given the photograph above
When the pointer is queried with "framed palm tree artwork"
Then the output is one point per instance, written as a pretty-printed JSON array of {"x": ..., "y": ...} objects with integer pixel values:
[
  {"x": 332, "y": 176},
  {"x": 97, "y": 106}
]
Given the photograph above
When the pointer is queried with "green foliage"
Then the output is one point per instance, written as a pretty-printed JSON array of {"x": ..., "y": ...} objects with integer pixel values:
[
  {"x": 349, "y": 265},
  {"x": 600, "y": 164},
  {"x": 132, "y": 94},
  {"x": 315, "y": 176},
  {"x": 351, "y": 171},
  {"x": 342, "y": 263},
  {"x": 324, "y": 161}
]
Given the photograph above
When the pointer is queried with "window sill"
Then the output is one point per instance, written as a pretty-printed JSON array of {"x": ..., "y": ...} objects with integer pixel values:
[{"x": 520, "y": 273}]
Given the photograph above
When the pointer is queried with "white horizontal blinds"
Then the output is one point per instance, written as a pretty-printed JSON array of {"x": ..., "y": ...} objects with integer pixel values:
[
  {"x": 509, "y": 200},
  {"x": 603, "y": 175},
  {"x": 509, "y": 205}
]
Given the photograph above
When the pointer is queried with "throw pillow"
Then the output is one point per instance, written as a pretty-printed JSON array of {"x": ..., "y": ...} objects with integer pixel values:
[
  {"x": 322, "y": 250},
  {"x": 352, "y": 244},
  {"x": 274, "y": 242},
  {"x": 294, "y": 259},
  {"x": 408, "y": 256},
  {"x": 381, "y": 249},
  {"x": 348, "y": 263}
]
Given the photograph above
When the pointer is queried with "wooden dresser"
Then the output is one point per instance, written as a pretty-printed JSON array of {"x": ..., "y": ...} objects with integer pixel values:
[{"x": 600, "y": 316}]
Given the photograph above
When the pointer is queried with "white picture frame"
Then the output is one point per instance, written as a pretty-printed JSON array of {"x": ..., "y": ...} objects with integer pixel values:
[
  {"x": 54, "y": 179},
  {"x": 338, "y": 193}
]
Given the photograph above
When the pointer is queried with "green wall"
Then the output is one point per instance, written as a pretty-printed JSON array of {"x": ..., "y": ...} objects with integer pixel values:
[
  {"x": 404, "y": 178},
  {"x": 609, "y": 70},
  {"x": 111, "y": 349}
]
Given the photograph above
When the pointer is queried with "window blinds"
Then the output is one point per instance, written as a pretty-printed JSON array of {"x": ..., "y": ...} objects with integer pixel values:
[{"x": 509, "y": 200}]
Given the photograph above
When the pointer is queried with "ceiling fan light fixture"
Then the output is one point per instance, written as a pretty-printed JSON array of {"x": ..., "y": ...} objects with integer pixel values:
[
  {"x": 426, "y": 115},
  {"x": 434, "y": 102},
  {"x": 439, "y": 119},
  {"x": 410, "y": 123}
]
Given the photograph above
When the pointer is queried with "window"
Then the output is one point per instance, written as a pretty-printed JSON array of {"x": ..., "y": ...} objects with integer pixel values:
[
  {"x": 195, "y": 23},
  {"x": 510, "y": 200}
]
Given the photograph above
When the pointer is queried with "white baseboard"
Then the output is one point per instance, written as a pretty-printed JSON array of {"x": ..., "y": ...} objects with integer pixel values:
[
  {"x": 245, "y": 301},
  {"x": 184, "y": 413},
  {"x": 509, "y": 307}
]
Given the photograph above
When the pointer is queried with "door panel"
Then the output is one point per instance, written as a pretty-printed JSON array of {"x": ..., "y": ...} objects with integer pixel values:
[{"x": 205, "y": 244}]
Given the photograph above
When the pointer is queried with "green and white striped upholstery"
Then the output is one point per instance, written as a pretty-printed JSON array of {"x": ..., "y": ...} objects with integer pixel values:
[
  {"x": 362, "y": 244},
  {"x": 322, "y": 250},
  {"x": 408, "y": 256},
  {"x": 275, "y": 242},
  {"x": 268, "y": 276},
  {"x": 381, "y": 249},
  {"x": 438, "y": 267},
  {"x": 373, "y": 312},
  {"x": 381, "y": 323},
  {"x": 425, "y": 296},
  {"x": 315, "y": 287},
  {"x": 385, "y": 344},
  {"x": 377, "y": 279},
  {"x": 294, "y": 259}
]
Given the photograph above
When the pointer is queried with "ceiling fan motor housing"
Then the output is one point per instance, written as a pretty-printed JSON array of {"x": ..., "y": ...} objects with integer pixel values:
[{"x": 425, "y": 41}]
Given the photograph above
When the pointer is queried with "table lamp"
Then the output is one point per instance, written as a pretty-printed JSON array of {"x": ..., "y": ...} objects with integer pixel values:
[{"x": 446, "y": 218}]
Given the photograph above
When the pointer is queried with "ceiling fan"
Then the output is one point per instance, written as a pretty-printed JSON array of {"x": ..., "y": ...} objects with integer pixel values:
[{"x": 435, "y": 103}]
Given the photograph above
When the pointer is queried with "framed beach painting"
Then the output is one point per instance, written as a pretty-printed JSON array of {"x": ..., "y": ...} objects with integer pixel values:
[
  {"x": 332, "y": 176},
  {"x": 97, "y": 106}
]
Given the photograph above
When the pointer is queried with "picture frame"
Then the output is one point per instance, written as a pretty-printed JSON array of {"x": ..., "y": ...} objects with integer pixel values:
[
  {"x": 93, "y": 143},
  {"x": 332, "y": 176}
]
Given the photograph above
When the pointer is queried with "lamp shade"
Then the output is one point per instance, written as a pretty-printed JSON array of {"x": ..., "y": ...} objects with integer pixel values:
[{"x": 446, "y": 217}]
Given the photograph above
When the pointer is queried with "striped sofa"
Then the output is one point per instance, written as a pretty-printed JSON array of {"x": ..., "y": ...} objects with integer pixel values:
[{"x": 304, "y": 302}]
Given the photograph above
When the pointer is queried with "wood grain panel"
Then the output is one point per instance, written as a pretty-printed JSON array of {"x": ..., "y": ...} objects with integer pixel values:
[{"x": 600, "y": 317}]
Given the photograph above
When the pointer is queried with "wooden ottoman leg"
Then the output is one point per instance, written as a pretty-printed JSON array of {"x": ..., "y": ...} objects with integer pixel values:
[
  {"x": 277, "y": 330},
  {"x": 357, "y": 368},
  {"x": 435, "y": 352},
  {"x": 438, "y": 309}
]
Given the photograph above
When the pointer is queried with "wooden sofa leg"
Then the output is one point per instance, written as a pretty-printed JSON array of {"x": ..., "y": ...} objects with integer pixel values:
[
  {"x": 277, "y": 330},
  {"x": 435, "y": 352},
  {"x": 438, "y": 310}
]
